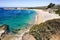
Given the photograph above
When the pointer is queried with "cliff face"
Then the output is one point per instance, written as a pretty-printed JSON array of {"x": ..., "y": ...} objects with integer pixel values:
[{"x": 47, "y": 30}]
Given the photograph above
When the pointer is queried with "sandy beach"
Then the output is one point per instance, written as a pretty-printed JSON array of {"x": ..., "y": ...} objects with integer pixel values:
[{"x": 43, "y": 16}]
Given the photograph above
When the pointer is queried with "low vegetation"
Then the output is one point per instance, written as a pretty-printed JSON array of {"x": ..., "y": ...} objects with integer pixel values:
[
  {"x": 58, "y": 11},
  {"x": 45, "y": 30}
]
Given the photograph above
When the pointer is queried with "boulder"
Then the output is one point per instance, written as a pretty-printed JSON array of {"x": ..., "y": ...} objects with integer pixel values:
[{"x": 3, "y": 30}]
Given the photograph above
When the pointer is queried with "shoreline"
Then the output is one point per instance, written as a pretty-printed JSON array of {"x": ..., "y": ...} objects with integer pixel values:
[{"x": 41, "y": 16}]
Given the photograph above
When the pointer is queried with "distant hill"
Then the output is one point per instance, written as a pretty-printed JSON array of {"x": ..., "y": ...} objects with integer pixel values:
[
  {"x": 44, "y": 7},
  {"x": 40, "y": 7}
]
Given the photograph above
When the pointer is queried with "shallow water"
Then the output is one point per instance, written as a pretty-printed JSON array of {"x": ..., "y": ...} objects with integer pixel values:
[{"x": 17, "y": 19}]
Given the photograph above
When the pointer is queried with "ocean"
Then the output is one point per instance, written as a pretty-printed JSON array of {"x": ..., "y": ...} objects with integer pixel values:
[{"x": 17, "y": 19}]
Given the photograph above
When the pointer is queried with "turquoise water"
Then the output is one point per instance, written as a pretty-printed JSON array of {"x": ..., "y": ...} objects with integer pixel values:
[{"x": 17, "y": 19}]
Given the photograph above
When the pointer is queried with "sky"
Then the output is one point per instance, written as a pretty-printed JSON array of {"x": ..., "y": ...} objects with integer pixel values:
[{"x": 26, "y": 3}]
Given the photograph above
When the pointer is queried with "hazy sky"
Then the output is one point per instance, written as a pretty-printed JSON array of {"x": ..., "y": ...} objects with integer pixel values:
[{"x": 26, "y": 3}]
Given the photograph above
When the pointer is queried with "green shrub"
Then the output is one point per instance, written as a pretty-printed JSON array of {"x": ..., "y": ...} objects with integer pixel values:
[
  {"x": 51, "y": 5},
  {"x": 58, "y": 12}
]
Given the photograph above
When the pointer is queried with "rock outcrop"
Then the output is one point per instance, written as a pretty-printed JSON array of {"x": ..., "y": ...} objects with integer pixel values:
[{"x": 3, "y": 31}]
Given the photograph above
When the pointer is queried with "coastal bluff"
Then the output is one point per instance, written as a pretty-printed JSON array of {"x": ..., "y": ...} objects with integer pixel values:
[{"x": 49, "y": 30}]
